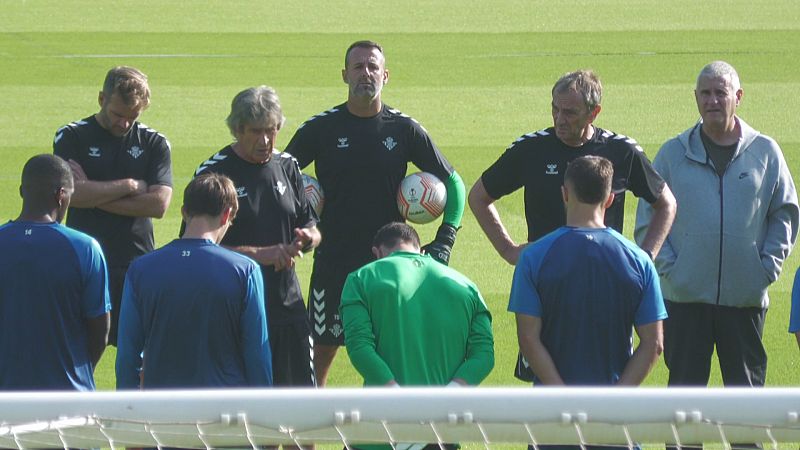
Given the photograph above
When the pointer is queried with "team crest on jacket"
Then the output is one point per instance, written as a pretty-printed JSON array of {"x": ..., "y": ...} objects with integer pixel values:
[
  {"x": 280, "y": 187},
  {"x": 94, "y": 152},
  {"x": 241, "y": 191},
  {"x": 343, "y": 142},
  {"x": 551, "y": 169},
  {"x": 135, "y": 152},
  {"x": 389, "y": 143}
]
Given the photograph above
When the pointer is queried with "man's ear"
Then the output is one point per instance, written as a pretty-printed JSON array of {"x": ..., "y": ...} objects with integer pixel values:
[
  {"x": 225, "y": 217},
  {"x": 609, "y": 201},
  {"x": 564, "y": 194},
  {"x": 377, "y": 252},
  {"x": 60, "y": 196},
  {"x": 594, "y": 113}
]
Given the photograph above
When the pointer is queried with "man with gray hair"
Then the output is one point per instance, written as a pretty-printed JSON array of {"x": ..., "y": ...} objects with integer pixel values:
[
  {"x": 736, "y": 224},
  {"x": 123, "y": 176},
  {"x": 537, "y": 161},
  {"x": 274, "y": 226}
]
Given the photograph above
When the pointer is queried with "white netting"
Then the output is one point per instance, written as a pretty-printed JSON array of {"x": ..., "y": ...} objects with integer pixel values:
[{"x": 251, "y": 418}]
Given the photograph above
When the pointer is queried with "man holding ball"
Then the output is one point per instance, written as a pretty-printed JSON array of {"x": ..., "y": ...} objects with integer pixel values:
[{"x": 361, "y": 150}]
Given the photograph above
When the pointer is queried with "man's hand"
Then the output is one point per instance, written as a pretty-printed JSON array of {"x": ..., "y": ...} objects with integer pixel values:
[
  {"x": 281, "y": 256},
  {"x": 140, "y": 187},
  {"x": 303, "y": 240},
  {"x": 442, "y": 244}
]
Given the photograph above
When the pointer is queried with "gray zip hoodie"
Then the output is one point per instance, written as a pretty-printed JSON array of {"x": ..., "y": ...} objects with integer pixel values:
[{"x": 731, "y": 234}]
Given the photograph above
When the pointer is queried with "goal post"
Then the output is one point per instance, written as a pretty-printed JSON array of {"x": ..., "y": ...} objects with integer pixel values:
[{"x": 251, "y": 418}]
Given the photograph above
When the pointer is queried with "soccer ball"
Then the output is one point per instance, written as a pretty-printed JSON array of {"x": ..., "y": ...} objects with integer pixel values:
[
  {"x": 421, "y": 197},
  {"x": 314, "y": 194}
]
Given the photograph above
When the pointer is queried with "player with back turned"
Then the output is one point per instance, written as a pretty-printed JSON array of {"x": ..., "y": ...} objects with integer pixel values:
[
  {"x": 579, "y": 291},
  {"x": 54, "y": 295},
  {"x": 361, "y": 150},
  {"x": 193, "y": 313}
]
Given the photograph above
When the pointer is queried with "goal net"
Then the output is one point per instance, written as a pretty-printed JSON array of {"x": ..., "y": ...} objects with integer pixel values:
[{"x": 349, "y": 417}]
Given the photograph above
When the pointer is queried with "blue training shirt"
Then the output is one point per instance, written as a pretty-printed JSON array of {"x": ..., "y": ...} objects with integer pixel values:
[
  {"x": 589, "y": 286},
  {"x": 54, "y": 279},
  {"x": 196, "y": 311}
]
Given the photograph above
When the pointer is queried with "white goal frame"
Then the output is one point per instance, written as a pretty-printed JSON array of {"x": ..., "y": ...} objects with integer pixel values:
[{"x": 252, "y": 418}]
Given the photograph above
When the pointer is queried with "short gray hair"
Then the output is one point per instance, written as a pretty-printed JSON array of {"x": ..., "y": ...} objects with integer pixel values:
[
  {"x": 720, "y": 69},
  {"x": 584, "y": 82},
  {"x": 255, "y": 106}
]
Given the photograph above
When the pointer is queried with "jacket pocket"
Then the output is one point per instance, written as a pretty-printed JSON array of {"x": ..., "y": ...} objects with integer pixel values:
[
  {"x": 744, "y": 278},
  {"x": 693, "y": 277}
]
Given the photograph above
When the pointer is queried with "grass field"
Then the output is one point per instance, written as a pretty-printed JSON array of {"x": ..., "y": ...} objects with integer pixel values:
[{"x": 477, "y": 74}]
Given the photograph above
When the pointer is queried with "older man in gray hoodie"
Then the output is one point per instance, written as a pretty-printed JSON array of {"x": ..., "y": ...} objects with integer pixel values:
[{"x": 736, "y": 223}]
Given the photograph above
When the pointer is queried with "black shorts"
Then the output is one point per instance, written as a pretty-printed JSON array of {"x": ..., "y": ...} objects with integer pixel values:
[
  {"x": 324, "y": 297},
  {"x": 292, "y": 363}
]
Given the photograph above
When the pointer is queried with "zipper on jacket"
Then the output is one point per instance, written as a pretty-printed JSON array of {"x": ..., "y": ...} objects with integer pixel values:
[
  {"x": 721, "y": 230},
  {"x": 710, "y": 165}
]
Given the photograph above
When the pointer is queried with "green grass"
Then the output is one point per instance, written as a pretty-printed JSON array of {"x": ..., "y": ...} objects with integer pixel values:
[{"x": 477, "y": 74}]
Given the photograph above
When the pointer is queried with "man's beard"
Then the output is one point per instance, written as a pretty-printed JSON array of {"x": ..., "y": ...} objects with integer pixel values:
[{"x": 366, "y": 90}]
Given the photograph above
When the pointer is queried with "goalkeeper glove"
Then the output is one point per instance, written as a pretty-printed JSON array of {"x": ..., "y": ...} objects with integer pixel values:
[{"x": 442, "y": 244}]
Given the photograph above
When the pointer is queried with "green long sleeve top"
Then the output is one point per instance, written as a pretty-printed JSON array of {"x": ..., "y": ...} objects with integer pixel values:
[{"x": 413, "y": 320}]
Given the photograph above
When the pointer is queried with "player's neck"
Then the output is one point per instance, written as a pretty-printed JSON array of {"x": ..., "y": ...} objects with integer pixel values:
[
  {"x": 37, "y": 215},
  {"x": 364, "y": 107},
  {"x": 585, "y": 216},
  {"x": 200, "y": 228},
  {"x": 402, "y": 246}
]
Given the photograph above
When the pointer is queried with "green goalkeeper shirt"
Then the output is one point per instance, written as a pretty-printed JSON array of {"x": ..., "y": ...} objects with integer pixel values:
[{"x": 411, "y": 319}]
